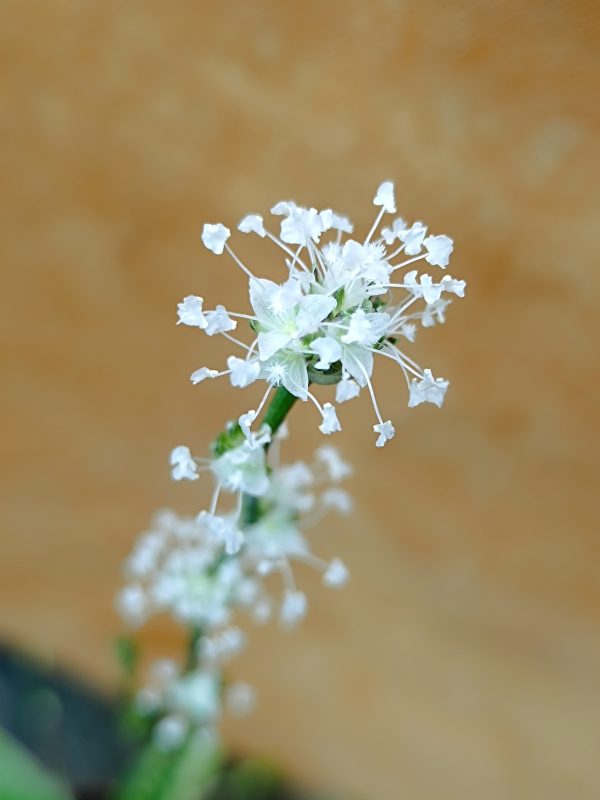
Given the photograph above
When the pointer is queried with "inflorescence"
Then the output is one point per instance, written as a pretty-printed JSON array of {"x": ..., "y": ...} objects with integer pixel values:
[{"x": 342, "y": 302}]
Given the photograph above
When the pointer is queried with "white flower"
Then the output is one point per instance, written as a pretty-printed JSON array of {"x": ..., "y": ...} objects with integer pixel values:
[
  {"x": 328, "y": 350},
  {"x": 385, "y": 197},
  {"x": 225, "y": 529},
  {"x": 196, "y": 695},
  {"x": 428, "y": 390},
  {"x": 336, "y": 303},
  {"x": 409, "y": 331},
  {"x": 341, "y": 223},
  {"x": 243, "y": 372},
  {"x": 438, "y": 250},
  {"x": 170, "y": 732},
  {"x": 337, "y": 468},
  {"x": 252, "y": 223},
  {"x": 336, "y": 574},
  {"x": 132, "y": 605},
  {"x": 220, "y": 648},
  {"x": 434, "y": 312},
  {"x": 386, "y": 432},
  {"x": 284, "y": 317},
  {"x": 201, "y": 374},
  {"x": 413, "y": 238},
  {"x": 242, "y": 469},
  {"x": 218, "y": 321},
  {"x": 390, "y": 235},
  {"x": 289, "y": 370},
  {"x": 366, "y": 329},
  {"x": 240, "y": 699},
  {"x": 359, "y": 266},
  {"x": 330, "y": 422},
  {"x": 190, "y": 313},
  {"x": 301, "y": 226},
  {"x": 262, "y": 611},
  {"x": 346, "y": 389},
  {"x": 337, "y": 500},
  {"x": 274, "y": 537},
  {"x": 214, "y": 237},
  {"x": 245, "y": 422},
  {"x": 452, "y": 285},
  {"x": 184, "y": 466},
  {"x": 293, "y": 608},
  {"x": 430, "y": 291}
]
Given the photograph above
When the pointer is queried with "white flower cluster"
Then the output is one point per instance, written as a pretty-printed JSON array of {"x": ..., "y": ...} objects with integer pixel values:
[
  {"x": 185, "y": 701},
  {"x": 202, "y": 570},
  {"x": 343, "y": 301}
]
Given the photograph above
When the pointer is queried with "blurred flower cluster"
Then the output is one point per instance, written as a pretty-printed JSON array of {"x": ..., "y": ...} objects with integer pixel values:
[{"x": 203, "y": 570}]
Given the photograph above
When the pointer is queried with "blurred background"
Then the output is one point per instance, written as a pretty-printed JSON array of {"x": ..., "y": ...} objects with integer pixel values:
[{"x": 463, "y": 659}]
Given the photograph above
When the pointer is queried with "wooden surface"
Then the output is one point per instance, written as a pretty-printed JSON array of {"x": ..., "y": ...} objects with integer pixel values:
[{"x": 463, "y": 660}]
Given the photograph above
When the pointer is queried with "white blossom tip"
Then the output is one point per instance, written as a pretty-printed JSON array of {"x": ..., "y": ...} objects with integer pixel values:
[
  {"x": 428, "y": 390},
  {"x": 385, "y": 197},
  {"x": 202, "y": 374},
  {"x": 330, "y": 423},
  {"x": 386, "y": 432},
  {"x": 293, "y": 608},
  {"x": 189, "y": 312},
  {"x": 336, "y": 574},
  {"x": 252, "y": 223},
  {"x": 438, "y": 249},
  {"x": 215, "y": 236},
  {"x": 183, "y": 465}
]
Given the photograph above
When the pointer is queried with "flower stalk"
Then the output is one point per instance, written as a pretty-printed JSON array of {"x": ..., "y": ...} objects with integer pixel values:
[{"x": 335, "y": 313}]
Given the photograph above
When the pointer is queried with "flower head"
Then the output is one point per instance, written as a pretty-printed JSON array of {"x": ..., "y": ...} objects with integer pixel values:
[{"x": 342, "y": 304}]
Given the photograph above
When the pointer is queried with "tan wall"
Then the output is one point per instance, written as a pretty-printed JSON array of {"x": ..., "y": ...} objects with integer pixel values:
[{"x": 462, "y": 661}]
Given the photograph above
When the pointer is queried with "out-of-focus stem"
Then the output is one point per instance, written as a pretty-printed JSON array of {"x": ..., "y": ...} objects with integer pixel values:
[{"x": 279, "y": 408}]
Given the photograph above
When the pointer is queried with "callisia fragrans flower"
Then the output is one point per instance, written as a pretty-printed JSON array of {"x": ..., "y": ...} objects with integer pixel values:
[
  {"x": 340, "y": 302},
  {"x": 205, "y": 569}
]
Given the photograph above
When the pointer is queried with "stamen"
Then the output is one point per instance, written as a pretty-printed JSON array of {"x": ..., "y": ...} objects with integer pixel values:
[
  {"x": 375, "y": 224},
  {"x": 399, "y": 362},
  {"x": 406, "y": 358},
  {"x": 235, "y": 341},
  {"x": 396, "y": 251},
  {"x": 399, "y": 311},
  {"x": 295, "y": 256},
  {"x": 406, "y": 263},
  {"x": 251, "y": 349},
  {"x": 312, "y": 560},
  {"x": 316, "y": 402},
  {"x": 372, "y": 393},
  {"x": 238, "y": 262},
  {"x": 215, "y": 498},
  {"x": 287, "y": 575},
  {"x": 397, "y": 358},
  {"x": 237, "y": 314},
  {"x": 264, "y": 400}
]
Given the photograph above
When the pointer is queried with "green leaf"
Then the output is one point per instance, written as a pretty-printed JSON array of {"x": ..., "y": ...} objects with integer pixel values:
[
  {"x": 187, "y": 773},
  {"x": 254, "y": 780},
  {"x": 21, "y": 776}
]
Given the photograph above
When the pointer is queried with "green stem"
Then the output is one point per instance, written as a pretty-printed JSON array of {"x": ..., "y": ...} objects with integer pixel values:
[
  {"x": 164, "y": 776},
  {"x": 195, "y": 635},
  {"x": 279, "y": 408}
]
